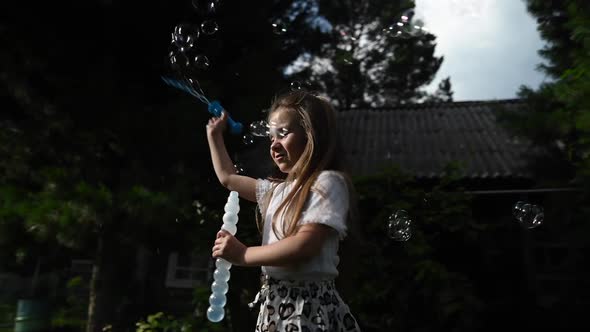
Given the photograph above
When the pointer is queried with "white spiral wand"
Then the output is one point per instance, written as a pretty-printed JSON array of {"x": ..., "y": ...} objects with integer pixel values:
[{"x": 219, "y": 287}]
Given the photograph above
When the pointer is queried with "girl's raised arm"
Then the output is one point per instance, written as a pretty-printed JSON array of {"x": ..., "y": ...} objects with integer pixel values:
[{"x": 222, "y": 163}]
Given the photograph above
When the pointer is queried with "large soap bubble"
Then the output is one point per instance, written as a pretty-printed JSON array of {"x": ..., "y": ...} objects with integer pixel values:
[{"x": 399, "y": 226}]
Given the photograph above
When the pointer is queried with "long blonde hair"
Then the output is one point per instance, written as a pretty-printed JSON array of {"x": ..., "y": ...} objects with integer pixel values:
[{"x": 322, "y": 152}]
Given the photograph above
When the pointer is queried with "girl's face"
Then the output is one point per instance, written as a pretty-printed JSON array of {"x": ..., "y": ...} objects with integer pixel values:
[{"x": 287, "y": 139}]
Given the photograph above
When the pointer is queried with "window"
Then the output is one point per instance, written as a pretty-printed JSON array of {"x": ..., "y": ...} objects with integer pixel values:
[{"x": 187, "y": 271}]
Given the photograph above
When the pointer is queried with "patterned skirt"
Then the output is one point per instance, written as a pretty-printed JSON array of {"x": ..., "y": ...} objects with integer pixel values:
[{"x": 302, "y": 306}]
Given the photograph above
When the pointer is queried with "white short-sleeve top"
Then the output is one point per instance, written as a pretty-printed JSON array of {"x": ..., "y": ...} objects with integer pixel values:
[{"x": 327, "y": 204}]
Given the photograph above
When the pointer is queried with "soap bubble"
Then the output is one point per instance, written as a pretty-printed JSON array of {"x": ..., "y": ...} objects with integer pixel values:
[
  {"x": 528, "y": 215},
  {"x": 248, "y": 139},
  {"x": 178, "y": 59},
  {"x": 215, "y": 314},
  {"x": 206, "y": 7},
  {"x": 407, "y": 16},
  {"x": 259, "y": 128},
  {"x": 296, "y": 85},
  {"x": 405, "y": 26},
  {"x": 239, "y": 168},
  {"x": 517, "y": 210},
  {"x": 201, "y": 61},
  {"x": 536, "y": 218},
  {"x": 194, "y": 84},
  {"x": 345, "y": 35},
  {"x": 185, "y": 35},
  {"x": 209, "y": 27},
  {"x": 278, "y": 27},
  {"x": 345, "y": 57},
  {"x": 399, "y": 226},
  {"x": 426, "y": 199}
]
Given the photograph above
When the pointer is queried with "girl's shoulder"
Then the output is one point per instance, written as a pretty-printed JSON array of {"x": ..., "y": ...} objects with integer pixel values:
[
  {"x": 268, "y": 185},
  {"x": 332, "y": 175},
  {"x": 329, "y": 178}
]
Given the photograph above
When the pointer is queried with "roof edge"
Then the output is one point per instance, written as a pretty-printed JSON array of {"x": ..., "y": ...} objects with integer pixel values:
[{"x": 452, "y": 104}]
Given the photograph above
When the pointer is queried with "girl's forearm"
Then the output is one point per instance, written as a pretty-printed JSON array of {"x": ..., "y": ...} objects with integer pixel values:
[
  {"x": 222, "y": 163},
  {"x": 226, "y": 171},
  {"x": 290, "y": 250}
]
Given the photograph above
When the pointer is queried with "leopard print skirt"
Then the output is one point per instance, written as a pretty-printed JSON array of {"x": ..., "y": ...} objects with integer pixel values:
[{"x": 302, "y": 306}]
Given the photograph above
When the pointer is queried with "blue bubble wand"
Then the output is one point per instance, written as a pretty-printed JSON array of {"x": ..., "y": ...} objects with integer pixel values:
[{"x": 214, "y": 107}]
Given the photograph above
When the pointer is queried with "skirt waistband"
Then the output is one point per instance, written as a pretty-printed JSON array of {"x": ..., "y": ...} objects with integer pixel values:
[{"x": 268, "y": 282}]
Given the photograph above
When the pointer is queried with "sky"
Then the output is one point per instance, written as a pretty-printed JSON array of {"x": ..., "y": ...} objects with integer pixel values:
[{"x": 489, "y": 46}]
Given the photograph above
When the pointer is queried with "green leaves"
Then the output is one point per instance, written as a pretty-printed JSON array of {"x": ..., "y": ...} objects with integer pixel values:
[{"x": 424, "y": 274}]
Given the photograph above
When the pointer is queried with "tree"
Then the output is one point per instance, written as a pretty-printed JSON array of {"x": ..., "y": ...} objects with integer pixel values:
[
  {"x": 443, "y": 94},
  {"x": 100, "y": 156},
  {"x": 559, "y": 113},
  {"x": 81, "y": 167},
  {"x": 370, "y": 53},
  {"x": 557, "y": 120}
]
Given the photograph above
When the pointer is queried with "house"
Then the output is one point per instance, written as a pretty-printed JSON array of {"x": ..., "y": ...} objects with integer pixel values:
[
  {"x": 496, "y": 168},
  {"x": 422, "y": 140}
]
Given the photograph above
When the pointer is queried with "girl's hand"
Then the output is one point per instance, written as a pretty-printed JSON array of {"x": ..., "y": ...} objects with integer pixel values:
[
  {"x": 229, "y": 248},
  {"x": 216, "y": 126}
]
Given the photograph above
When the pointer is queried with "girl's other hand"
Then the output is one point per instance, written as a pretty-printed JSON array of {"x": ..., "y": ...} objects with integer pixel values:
[
  {"x": 216, "y": 126},
  {"x": 229, "y": 248}
]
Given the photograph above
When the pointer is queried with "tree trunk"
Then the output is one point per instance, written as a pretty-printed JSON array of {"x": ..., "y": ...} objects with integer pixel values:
[
  {"x": 94, "y": 321},
  {"x": 35, "y": 279}
]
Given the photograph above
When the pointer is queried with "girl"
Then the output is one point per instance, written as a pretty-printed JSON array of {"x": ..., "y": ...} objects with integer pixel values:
[{"x": 304, "y": 214}]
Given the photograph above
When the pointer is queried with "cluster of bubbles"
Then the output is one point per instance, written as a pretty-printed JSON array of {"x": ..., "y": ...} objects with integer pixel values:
[
  {"x": 184, "y": 59},
  {"x": 183, "y": 56},
  {"x": 184, "y": 38},
  {"x": 405, "y": 27},
  {"x": 220, "y": 286},
  {"x": 528, "y": 215},
  {"x": 256, "y": 129},
  {"x": 261, "y": 128},
  {"x": 399, "y": 226}
]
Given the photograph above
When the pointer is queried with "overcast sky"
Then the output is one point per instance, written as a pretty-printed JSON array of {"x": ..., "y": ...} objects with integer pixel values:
[{"x": 489, "y": 46}]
